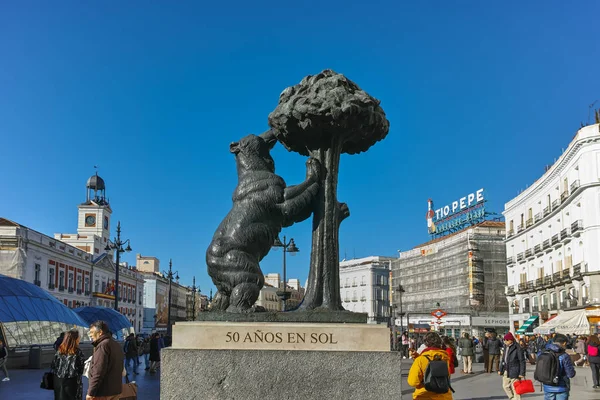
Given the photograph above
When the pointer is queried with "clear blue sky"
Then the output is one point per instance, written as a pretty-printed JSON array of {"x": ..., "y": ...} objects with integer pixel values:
[{"x": 479, "y": 94}]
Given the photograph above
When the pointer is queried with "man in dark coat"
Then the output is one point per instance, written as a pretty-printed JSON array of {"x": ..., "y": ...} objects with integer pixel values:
[
  {"x": 494, "y": 346},
  {"x": 486, "y": 353},
  {"x": 105, "y": 379},
  {"x": 131, "y": 354},
  {"x": 512, "y": 367},
  {"x": 59, "y": 341}
]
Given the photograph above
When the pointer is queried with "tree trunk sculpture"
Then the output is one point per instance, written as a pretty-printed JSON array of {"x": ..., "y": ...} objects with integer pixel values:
[{"x": 324, "y": 116}]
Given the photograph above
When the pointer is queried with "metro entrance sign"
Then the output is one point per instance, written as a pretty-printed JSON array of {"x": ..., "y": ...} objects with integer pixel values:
[{"x": 439, "y": 313}]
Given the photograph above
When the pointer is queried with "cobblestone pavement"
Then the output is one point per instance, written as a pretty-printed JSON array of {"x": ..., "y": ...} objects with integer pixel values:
[
  {"x": 24, "y": 384},
  {"x": 483, "y": 386}
]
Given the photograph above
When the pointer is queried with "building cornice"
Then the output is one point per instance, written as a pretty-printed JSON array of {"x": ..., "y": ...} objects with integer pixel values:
[
  {"x": 575, "y": 196},
  {"x": 582, "y": 137}
]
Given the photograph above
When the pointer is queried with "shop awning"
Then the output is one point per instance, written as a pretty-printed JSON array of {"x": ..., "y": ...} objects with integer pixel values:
[
  {"x": 567, "y": 322},
  {"x": 527, "y": 325}
]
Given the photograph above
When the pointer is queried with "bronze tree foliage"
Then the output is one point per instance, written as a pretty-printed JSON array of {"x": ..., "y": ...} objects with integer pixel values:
[{"x": 324, "y": 116}]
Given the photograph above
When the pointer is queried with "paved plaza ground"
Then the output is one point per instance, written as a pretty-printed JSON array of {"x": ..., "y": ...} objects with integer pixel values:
[{"x": 24, "y": 385}]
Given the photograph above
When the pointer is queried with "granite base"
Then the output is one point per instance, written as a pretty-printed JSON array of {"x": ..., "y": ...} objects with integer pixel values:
[
  {"x": 312, "y": 316},
  {"x": 275, "y": 374}
]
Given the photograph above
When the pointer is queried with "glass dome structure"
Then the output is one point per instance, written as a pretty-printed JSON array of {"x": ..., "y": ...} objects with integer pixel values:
[
  {"x": 29, "y": 315},
  {"x": 118, "y": 324}
]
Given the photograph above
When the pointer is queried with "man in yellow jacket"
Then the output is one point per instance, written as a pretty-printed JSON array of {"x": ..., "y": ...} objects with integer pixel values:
[{"x": 433, "y": 341}]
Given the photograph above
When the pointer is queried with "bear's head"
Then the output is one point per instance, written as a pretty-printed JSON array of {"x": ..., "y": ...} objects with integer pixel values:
[{"x": 252, "y": 153}]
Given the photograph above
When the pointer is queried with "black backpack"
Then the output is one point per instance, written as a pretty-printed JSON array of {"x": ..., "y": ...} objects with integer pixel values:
[
  {"x": 547, "y": 368},
  {"x": 437, "y": 376}
]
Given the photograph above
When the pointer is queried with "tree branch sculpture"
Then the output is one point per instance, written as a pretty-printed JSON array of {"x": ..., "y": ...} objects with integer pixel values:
[{"x": 324, "y": 116}]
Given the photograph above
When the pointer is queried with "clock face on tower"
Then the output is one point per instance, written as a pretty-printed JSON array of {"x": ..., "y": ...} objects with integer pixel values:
[
  {"x": 105, "y": 222},
  {"x": 90, "y": 220}
]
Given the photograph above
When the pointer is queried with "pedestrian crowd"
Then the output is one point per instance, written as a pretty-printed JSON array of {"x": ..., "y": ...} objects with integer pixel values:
[
  {"x": 555, "y": 358},
  {"x": 107, "y": 367}
]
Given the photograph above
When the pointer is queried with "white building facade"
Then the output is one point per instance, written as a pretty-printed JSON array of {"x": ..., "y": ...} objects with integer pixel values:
[
  {"x": 75, "y": 268},
  {"x": 553, "y": 235},
  {"x": 364, "y": 287}
]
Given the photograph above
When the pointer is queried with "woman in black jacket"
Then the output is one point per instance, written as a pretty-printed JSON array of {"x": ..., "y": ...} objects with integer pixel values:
[{"x": 67, "y": 366}]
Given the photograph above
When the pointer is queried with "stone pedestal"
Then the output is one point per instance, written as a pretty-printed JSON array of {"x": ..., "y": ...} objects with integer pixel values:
[
  {"x": 252, "y": 360},
  {"x": 278, "y": 375}
]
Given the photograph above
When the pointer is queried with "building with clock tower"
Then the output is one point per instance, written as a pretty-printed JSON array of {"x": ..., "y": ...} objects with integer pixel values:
[
  {"x": 93, "y": 226},
  {"x": 75, "y": 268}
]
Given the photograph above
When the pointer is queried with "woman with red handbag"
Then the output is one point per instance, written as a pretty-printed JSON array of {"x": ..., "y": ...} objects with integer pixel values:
[{"x": 512, "y": 366}]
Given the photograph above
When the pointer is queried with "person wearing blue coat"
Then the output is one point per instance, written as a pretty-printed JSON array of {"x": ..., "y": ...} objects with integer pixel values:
[{"x": 566, "y": 370}]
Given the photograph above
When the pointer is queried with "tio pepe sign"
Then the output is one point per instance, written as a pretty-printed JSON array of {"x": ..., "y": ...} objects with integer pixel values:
[{"x": 461, "y": 204}]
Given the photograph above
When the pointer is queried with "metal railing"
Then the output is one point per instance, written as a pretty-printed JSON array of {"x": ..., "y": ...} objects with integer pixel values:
[
  {"x": 546, "y": 244},
  {"x": 522, "y": 287},
  {"x": 555, "y": 239},
  {"x": 510, "y": 233},
  {"x": 576, "y": 226},
  {"x": 556, "y": 277},
  {"x": 538, "y": 217},
  {"x": 539, "y": 283},
  {"x": 520, "y": 228},
  {"x": 510, "y": 260},
  {"x": 537, "y": 248},
  {"x": 520, "y": 256},
  {"x": 564, "y": 195},
  {"x": 528, "y": 253},
  {"x": 574, "y": 185},
  {"x": 546, "y": 211},
  {"x": 529, "y": 222},
  {"x": 555, "y": 204},
  {"x": 510, "y": 290}
]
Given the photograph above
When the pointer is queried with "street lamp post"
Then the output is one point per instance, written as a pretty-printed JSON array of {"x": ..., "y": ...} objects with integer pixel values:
[
  {"x": 194, "y": 290},
  {"x": 170, "y": 275},
  {"x": 288, "y": 247},
  {"x": 118, "y": 246},
  {"x": 400, "y": 293}
]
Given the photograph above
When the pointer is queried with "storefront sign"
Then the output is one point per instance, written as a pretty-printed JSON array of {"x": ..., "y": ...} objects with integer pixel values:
[{"x": 490, "y": 321}]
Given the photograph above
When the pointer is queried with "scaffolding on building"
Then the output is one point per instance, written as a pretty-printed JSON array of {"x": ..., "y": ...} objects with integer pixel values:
[{"x": 464, "y": 272}]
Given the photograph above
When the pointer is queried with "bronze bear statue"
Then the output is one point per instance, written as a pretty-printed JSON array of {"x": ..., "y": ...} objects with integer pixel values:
[{"x": 262, "y": 206}]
